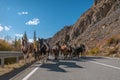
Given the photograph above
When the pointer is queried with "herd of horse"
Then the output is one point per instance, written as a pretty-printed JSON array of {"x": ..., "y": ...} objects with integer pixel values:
[{"x": 42, "y": 51}]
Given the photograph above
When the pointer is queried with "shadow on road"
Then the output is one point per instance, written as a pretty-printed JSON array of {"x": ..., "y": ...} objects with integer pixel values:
[
  {"x": 69, "y": 63},
  {"x": 56, "y": 66}
]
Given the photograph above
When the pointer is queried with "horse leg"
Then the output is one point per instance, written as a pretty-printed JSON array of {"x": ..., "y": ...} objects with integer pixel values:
[
  {"x": 38, "y": 56},
  {"x": 67, "y": 55},
  {"x": 64, "y": 56},
  {"x": 45, "y": 57},
  {"x": 25, "y": 56},
  {"x": 56, "y": 55},
  {"x": 35, "y": 55},
  {"x": 78, "y": 55},
  {"x": 60, "y": 54},
  {"x": 54, "y": 52},
  {"x": 42, "y": 57},
  {"x": 70, "y": 55},
  {"x": 29, "y": 57},
  {"x": 48, "y": 53}
]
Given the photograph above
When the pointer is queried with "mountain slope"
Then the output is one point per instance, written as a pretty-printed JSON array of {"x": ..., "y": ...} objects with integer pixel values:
[{"x": 99, "y": 23}]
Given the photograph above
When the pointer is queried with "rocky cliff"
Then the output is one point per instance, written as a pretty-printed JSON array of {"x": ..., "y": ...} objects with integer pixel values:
[{"x": 99, "y": 23}]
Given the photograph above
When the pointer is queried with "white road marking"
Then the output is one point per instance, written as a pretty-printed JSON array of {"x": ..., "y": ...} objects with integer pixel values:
[
  {"x": 105, "y": 65},
  {"x": 112, "y": 58},
  {"x": 30, "y": 74}
]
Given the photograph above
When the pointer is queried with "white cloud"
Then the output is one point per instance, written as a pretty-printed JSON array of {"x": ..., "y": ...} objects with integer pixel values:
[
  {"x": 34, "y": 21},
  {"x": 22, "y": 13},
  {"x": 7, "y": 28},
  {"x": 4, "y": 28},
  {"x": 1, "y": 28},
  {"x": 19, "y": 35}
]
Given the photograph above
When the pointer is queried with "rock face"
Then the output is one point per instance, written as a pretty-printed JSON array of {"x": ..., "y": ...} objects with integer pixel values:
[
  {"x": 62, "y": 35},
  {"x": 101, "y": 21},
  {"x": 100, "y": 10}
]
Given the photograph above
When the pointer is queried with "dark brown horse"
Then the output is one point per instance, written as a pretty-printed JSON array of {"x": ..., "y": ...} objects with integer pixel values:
[
  {"x": 79, "y": 50},
  {"x": 42, "y": 51}
]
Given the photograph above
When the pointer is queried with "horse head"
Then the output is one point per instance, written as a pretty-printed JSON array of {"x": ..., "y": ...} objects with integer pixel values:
[{"x": 24, "y": 45}]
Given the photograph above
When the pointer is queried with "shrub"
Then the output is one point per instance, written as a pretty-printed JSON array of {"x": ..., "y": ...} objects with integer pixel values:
[
  {"x": 112, "y": 40},
  {"x": 5, "y": 46},
  {"x": 9, "y": 60},
  {"x": 112, "y": 51},
  {"x": 94, "y": 51}
]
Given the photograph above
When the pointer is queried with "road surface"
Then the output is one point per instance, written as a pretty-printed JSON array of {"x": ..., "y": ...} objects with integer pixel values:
[{"x": 91, "y": 68}]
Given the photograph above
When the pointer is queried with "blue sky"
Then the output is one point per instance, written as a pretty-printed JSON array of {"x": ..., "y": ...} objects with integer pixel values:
[{"x": 46, "y": 17}]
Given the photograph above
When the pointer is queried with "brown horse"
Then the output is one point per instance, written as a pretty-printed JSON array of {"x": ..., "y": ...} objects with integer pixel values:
[
  {"x": 55, "y": 50},
  {"x": 27, "y": 50},
  {"x": 66, "y": 51}
]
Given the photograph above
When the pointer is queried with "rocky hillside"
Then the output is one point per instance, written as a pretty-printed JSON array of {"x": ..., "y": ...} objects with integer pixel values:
[
  {"x": 95, "y": 27},
  {"x": 62, "y": 35}
]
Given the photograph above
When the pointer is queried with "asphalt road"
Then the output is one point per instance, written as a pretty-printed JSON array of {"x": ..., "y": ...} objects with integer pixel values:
[{"x": 91, "y": 68}]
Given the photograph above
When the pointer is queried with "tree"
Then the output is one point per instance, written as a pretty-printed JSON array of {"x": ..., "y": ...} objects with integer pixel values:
[
  {"x": 17, "y": 44},
  {"x": 7, "y": 38},
  {"x": 34, "y": 39},
  {"x": 25, "y": 36},
  {"x": 5, "y": 46}
]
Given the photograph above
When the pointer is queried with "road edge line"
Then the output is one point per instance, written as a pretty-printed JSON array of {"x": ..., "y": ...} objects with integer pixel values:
[{"x": 105, "y": 65}]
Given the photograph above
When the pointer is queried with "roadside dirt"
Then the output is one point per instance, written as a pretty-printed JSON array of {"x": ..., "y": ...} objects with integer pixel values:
[{"x": 12, "y": 67}]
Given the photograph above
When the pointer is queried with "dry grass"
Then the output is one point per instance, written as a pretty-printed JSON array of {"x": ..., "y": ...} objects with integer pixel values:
[
  {"x": 11, "y": 67},
  {"x": 94, "y": 51}
]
